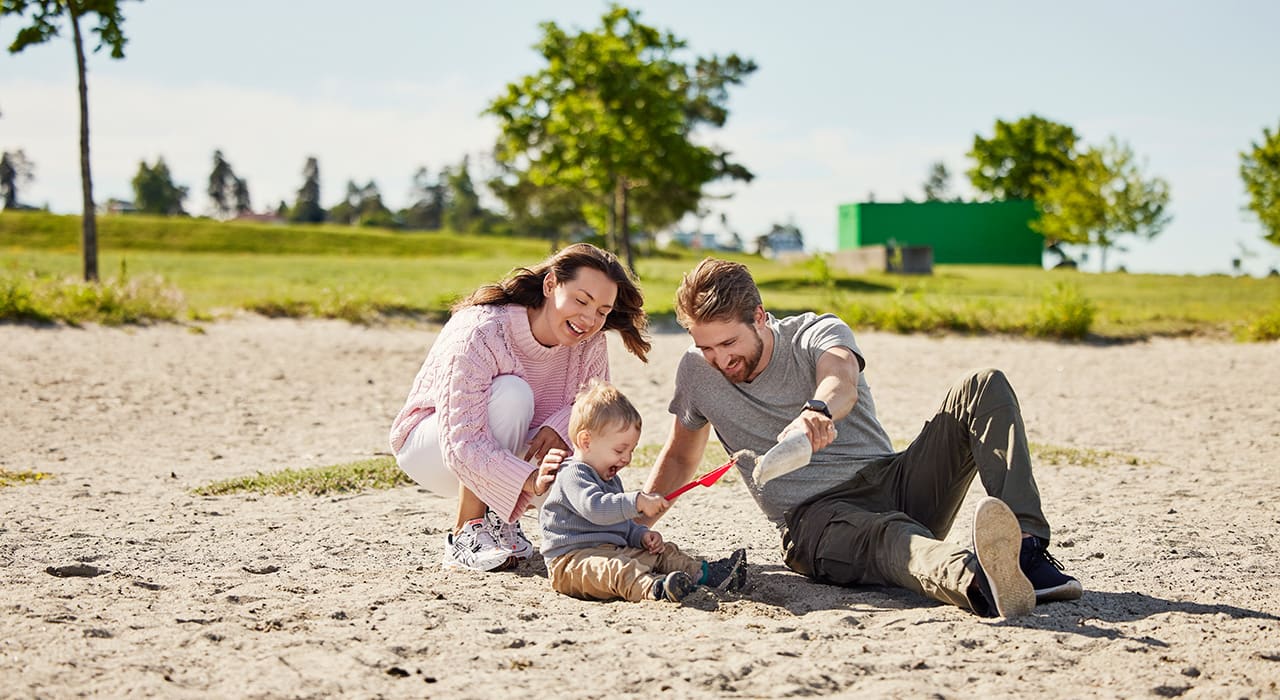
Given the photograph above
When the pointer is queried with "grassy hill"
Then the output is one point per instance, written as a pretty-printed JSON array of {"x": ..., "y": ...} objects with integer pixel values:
[{"x": 174, "y": 268}]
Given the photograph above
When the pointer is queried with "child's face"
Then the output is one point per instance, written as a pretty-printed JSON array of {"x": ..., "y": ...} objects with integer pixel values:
[{"x": 609, "y": 450}]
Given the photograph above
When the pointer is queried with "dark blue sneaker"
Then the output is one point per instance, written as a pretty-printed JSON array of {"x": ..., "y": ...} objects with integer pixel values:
[
  {"x": 674, "y": 587},
  {"x": 728, "y": 574},
  {"x": 1000, "y": 587},
  {"x": 1045, "y": 572}
]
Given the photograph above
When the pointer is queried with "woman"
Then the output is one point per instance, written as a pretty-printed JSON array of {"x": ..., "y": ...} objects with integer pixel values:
[{"x": 496, "y": 390}]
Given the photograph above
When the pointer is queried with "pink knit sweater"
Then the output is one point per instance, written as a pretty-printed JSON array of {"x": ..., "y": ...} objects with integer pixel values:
[{"x": 478, "y": 344}]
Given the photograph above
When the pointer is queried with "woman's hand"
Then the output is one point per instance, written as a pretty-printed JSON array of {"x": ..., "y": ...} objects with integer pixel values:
[
  {"x": 652, "y": 542},
  {"x": 541, "y": 480},
  {"x": 545, "y": 439}
]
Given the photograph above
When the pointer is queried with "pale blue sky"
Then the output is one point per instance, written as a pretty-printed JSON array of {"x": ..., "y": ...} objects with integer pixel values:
[{"x": 851, "y": 98}]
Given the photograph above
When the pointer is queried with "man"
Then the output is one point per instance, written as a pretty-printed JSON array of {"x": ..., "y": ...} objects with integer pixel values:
[{"x": 859, "y": 513}]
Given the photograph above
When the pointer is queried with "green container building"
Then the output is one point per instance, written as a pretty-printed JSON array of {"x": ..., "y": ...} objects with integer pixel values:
[{"x": 960, "y": 233}]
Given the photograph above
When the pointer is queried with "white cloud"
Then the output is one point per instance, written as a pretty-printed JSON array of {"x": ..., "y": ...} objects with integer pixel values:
[{"x": 265, "y": 137}]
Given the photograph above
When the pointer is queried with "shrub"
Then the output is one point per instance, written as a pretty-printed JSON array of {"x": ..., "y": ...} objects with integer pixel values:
[{"x": 1063, "y": 313}]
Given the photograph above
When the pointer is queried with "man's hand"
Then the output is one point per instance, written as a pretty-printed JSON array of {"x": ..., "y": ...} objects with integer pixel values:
[
  {"x": 652, "y": 542},
  {"x": 545, "y": 439},
  {"x": 820, "y": 429},
  {"x": 651, "y": 504},
  {"x": 541, "y": 480}
]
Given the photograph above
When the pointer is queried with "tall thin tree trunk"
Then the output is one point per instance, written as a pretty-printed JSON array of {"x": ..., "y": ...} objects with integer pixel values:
[
  {"x": 90, "y": 222},
  {"x": 620, "y": 217}
]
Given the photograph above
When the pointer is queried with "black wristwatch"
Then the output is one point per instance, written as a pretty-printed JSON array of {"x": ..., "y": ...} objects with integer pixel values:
[{"x": 819, "y": 406}]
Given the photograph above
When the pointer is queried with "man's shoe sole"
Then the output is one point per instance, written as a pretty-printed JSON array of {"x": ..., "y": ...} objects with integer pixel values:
[
  {"x": 1071, "y": 590},
  {"x": 997, "y": 540}
]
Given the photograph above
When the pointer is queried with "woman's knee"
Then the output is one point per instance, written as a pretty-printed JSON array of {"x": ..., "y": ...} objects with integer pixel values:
[{"x": 511, "y": 395}]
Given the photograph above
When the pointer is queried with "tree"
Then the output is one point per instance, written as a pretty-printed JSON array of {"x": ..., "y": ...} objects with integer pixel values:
[
  {"x": 229, "y": 194},
  {"x": 45, "y": 15},
  {"x": 362, "y": 206},
  {"x": 613, "y": 113},
  {"x": 154, "y": 191},
  {"x": 14, "y": 169},
  {"x": 427, "y": 201},
  {"x": 1022, "y": 158},
  {"x": 462, "y": 210},
  {"x": 240, "y": 194},
  {"x": 307, "y": 209},
  {"x": 938, "y": 187},
  {"x": 1102, "y": 197},
  {"x": 1260, "y": 170}
]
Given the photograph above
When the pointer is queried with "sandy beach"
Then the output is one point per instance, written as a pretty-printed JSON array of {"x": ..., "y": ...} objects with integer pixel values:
[{"x": 1173, "y": 533}]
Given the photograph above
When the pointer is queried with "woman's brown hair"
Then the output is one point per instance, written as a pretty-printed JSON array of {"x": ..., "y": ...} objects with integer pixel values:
[{"x": 524, "y": 287}]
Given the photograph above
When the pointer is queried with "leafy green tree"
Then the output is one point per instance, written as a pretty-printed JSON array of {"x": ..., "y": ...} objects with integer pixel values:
[
  {"x": 612, "y": 115},
  {"x": 1022, "y": 158},
  {"x": 1260, "y": 170},
  {"x": 14, "y": 169},
  {"x": 937, "y": 188},
  {"x": 427, "y": 201},
  {"x": 154, "y": 191},
  {"x": 363, "y": 206},
  {"x": 1102, "y": 197},
  {"x": 549, "y": 212},
  {"x": 229, "y": 194},
  {"x": 307, "y": 209},
  {"x": 44, "y": 20},
  {"x": 462, "y": 210}
]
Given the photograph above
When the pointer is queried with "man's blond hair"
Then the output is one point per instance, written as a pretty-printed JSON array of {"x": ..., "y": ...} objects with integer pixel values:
[
  {"x": 717, "y": 291},
  {"x": 601, "y": 406}
]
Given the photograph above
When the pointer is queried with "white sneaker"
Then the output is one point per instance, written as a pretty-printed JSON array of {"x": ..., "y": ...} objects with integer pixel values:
[
  {"x": 474, "y": 548},
  {"x": 509, "y": 535}
]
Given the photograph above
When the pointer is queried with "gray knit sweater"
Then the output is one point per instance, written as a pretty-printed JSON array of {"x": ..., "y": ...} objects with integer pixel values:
[{"x": 583, "y": 510}]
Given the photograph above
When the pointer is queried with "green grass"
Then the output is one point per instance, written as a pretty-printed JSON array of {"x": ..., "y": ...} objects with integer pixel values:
[
  {"x": 13, "y": 478},
  {"x": 365, "y": 275},
  {"x": 350, "y": 477}
]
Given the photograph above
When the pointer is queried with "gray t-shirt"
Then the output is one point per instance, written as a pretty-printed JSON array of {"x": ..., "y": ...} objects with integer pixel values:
[{"x": 749, "y": 415}]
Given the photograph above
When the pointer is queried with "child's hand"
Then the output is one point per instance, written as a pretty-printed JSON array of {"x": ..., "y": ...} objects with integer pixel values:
[
  {"x": 546, "y": 474},
  {"x": 651, "y": 504},
  {"x": 652, "y": 542}
]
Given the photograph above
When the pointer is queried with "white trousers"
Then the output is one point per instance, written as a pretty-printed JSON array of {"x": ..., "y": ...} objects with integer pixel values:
[{"x": 510, "y": 413}]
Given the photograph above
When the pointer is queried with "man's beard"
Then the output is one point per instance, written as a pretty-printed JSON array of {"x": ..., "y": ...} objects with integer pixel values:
[{"x": 747, "y": 368}]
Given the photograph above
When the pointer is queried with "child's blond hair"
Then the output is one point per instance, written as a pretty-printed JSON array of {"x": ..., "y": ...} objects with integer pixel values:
[{"x": 599, "y": 406}]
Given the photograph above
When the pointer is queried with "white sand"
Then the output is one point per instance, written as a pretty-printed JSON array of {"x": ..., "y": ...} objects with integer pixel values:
[{"x": 1178, "y": 552}]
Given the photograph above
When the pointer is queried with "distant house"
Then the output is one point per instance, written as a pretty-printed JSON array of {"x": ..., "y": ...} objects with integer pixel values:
[
  {"x": 117, "y": 206},
  {"x": 781, "y": 242},
  {"x": 695, "y": 240},
  {"x": 959, "y": 233}
]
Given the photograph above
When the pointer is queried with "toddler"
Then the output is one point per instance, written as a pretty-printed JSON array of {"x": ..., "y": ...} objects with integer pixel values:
[{"x": 591, "y": 544}]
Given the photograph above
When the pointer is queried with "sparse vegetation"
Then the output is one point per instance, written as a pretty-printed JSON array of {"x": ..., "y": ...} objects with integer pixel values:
[
  {"x": 13, "y": 478},
  {"x": 350, "y": 477}
]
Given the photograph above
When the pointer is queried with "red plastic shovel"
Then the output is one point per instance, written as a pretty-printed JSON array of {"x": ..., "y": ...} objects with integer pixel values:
[{"x": 707, "y": 479}]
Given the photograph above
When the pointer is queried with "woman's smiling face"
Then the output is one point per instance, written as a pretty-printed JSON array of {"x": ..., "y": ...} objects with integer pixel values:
[{"x": 575, "y": 309}]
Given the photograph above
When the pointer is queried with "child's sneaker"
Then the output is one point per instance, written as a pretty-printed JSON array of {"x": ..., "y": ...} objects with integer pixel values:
[
  {"x": 509, "y": 535},
  {"x": 728, "y": 574},
  {"x": 674, "y": 587},
  {"x": 474, "y": 548},
  {"x": 1045, "y": 572}
]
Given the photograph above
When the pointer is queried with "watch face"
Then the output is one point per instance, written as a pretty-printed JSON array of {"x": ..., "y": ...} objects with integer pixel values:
[{"x": 819, "y": 406}]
